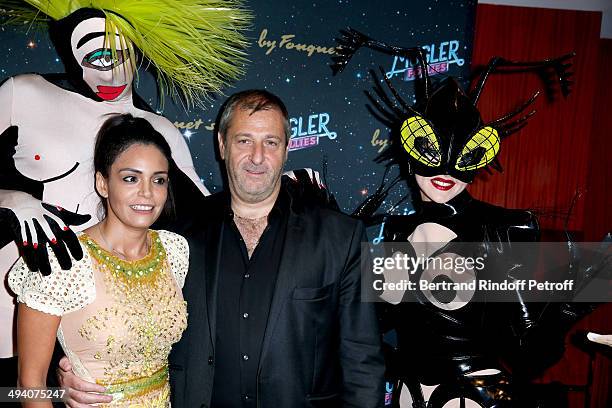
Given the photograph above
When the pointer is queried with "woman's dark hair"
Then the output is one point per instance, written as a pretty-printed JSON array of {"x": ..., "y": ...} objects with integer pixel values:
[{"x": 120, "y": 132}]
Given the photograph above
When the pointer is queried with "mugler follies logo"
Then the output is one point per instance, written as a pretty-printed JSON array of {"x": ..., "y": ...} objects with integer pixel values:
[
  {"x": 440, "y": 57},
  {"x": 306, "y": 131}
]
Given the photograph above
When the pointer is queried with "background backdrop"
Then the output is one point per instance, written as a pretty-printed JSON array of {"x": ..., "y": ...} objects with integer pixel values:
[{"x": 329, "y": 120}]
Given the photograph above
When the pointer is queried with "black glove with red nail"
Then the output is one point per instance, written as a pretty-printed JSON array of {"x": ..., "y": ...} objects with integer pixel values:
[{"x": 33, "y": 224}]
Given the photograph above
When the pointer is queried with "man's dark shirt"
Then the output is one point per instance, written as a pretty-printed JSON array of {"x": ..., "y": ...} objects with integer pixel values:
[{"x": 245, "y": 291}]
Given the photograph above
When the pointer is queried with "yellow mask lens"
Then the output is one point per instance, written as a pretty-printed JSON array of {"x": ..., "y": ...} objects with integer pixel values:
[
  {"x": 486, "y": 138},
  {"x": 420, "y": 141}
]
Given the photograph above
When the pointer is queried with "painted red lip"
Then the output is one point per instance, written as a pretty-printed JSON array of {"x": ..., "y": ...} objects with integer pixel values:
[
  {"x": 449, "y": 183},
  {"x": 108, "y": 93}
]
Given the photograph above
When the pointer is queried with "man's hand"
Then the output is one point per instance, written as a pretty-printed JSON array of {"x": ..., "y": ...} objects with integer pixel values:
[
  {"x": 35, "y": 224},
  {"x": 79, "y": 393}
]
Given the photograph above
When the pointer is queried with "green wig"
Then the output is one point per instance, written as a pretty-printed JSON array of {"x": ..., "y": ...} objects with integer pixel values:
[{"x": 195, "y": 46}]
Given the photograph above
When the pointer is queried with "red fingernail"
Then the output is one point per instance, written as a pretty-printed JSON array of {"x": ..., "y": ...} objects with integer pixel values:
[
  {"x": 35, "y": 245},
  {"x": 25, "y": 243},
  {"x": 54, "y": 241},
  {"x": 66, "y": 228}
]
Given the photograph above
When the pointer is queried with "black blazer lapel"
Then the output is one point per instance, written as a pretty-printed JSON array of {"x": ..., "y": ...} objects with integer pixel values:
[
  {"x": 285, "y": 280},
  {"x": 214, "y": 237}
]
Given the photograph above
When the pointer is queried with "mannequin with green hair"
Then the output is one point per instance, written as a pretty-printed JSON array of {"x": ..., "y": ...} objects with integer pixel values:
[{"x": 48, "y": 123}]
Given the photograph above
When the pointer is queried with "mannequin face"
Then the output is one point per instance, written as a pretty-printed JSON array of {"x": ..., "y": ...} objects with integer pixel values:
[
  {"x": 440, "y": 189},
  {"x": 110, "y": 79}
]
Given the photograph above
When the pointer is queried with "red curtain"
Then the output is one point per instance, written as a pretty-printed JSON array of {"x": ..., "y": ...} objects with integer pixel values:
[
  {"x": 598, "y": 205},
  {"x": 546, "y": 163},
  {"x": 564, "y": 150}
]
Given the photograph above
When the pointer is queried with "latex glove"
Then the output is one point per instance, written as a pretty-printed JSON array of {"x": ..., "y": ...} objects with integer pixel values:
[
  {"x": 305, "y": 175},
  {"x": 79, "y": 393},
  {"x": 605, "y": 339},
  {"x": 305, "y": 186},
  {"x": 349, "y": 42},
  {"x": 36, "y": 224}
]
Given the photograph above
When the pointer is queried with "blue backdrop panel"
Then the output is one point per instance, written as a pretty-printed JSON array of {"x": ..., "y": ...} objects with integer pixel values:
[{"x": 291, "y": 46}]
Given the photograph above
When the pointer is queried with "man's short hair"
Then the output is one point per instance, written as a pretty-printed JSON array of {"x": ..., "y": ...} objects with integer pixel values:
[{"x": 254, "y": 100}]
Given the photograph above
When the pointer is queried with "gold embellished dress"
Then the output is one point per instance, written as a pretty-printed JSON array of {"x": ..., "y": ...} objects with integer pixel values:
[{"x": 119, "y": 318}]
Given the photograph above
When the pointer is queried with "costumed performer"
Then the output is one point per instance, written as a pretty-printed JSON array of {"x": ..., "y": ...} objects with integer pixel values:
[{"x": 448, "y": 344}]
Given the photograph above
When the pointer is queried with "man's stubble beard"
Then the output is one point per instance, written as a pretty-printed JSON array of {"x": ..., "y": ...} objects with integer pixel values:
[{"x": 239, "y": 184}]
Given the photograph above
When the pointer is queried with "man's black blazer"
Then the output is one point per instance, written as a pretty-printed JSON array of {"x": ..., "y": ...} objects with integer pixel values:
[{"x": 321, "y": 346}]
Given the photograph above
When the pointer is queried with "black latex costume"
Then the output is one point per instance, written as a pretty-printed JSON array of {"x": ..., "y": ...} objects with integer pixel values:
[
  {"x": 444, "y": 134},
  {"x": 436, "y": 346}
]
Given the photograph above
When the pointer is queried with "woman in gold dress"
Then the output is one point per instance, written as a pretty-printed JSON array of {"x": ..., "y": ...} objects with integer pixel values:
[{"x": 118, "y": 310}]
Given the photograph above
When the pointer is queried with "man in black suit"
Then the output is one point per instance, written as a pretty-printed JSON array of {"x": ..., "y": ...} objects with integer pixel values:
[
  {"x": 280, "y": 322},
  {"x": 273, "y": 289}
]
